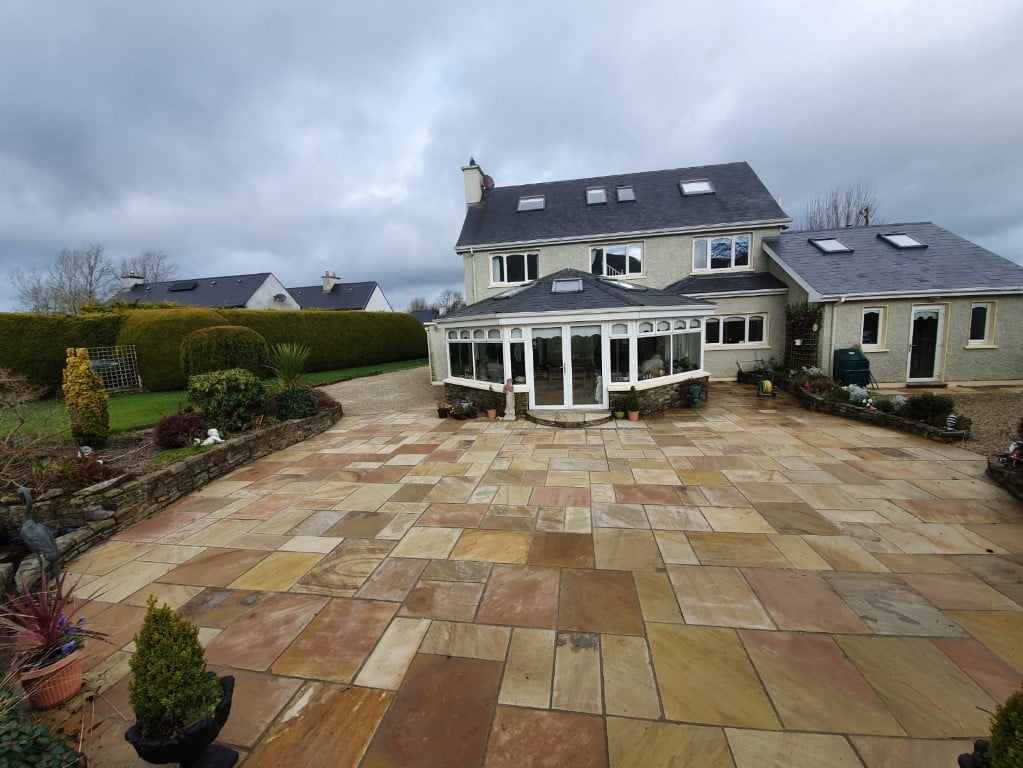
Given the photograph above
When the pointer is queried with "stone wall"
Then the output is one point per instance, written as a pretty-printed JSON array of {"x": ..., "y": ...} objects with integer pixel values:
[
  {"x": 1007, "y": 476},
  {"x": 98, "y": 512},
  {"x": 658, "y": 399},
  {"x": 455, "y": 393}
]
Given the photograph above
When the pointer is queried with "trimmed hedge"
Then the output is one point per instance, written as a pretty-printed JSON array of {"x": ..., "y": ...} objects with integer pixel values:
[
  {"x": 157, "y": 335},
  {"x": 35, "y": 345},
  {"x": 224, "y": 346}
]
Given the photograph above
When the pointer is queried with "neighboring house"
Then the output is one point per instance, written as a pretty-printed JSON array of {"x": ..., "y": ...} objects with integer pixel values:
[
  {"x": 924, "y": 305},
  {"x": 425, "y": 315},
  {"x": 333, "y": 294},
  {"x": 258, "y": 291},
  {"x": 711, "y": 238},
  {"x": 639, "y": 232}
]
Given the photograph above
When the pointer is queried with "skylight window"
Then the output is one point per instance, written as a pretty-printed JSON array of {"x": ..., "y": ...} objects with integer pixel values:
[
  {"x": 696, "y": 187},
  {"x": 622, "y": 284},
  {"x": 514, "y": 291},
  {"x": 572, "y": 285},
  {"x": 532, "y": 203},
  {"x": 626, "y": 194},
  {"x": 596, "y": 196},
  {"x": 902, "y": 240},
  {"x": 830, "y": 245}
]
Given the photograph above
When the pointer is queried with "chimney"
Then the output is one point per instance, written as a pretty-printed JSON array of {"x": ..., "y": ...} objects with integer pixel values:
[
  {"x": 330, "y": 279},
  {"x": 473, "y": 182},
  {"x": 441, "y": 311},
  {"x": 130, "y": 280}
]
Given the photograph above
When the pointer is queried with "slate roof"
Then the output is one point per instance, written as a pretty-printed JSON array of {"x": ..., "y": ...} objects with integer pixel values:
[
  {"x": 739, "y": 196},
  {"x": 948, "y": 263},
  {"x": 341, "y": 296},
  {"x": 224, "y": 291},
  {"x": 597, "y": 294},
  {"x": 426, "y": 315},
  {"x": 700, "y": 285}
]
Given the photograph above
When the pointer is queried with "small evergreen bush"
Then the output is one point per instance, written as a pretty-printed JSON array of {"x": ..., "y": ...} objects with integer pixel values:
[
  {"x": 170, "y": 689},
  {"x": 840, "y": 394},
  {"x": 295, "y": 403},
  {"x": 1006, "y": 747},
  {"x": 179, "y": 430},
  {"x": 928, "y": 408},
  {"x": 230, "y": 400},
  {"x": 88, "y": 407},
  {"x": 222, "y": 347},
  {"x": 632, "y": 400}
]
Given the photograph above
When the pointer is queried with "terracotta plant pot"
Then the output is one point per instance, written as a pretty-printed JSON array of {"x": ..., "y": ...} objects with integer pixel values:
[
  {"x": 633, "y": 415},
  {"x": 52, "y": 685},
  {"x": 491, "y": 413},
  {"x": 194, "y": 742}
]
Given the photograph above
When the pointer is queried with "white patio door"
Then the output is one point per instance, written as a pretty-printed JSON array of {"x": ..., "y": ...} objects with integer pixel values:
[
  {"x": 567, "y": 367},
  {"x": 926, "y": 334}
]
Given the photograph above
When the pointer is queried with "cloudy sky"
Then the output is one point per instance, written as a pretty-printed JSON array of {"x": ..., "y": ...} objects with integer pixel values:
[{"x": 309, "y": 135}]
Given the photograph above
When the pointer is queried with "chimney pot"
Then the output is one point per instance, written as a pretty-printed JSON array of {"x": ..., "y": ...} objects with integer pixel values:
[
  {"x": 473, "y": 175},
  {"x": 130, "y": 280},
  {"x": 330, "y": 279}
]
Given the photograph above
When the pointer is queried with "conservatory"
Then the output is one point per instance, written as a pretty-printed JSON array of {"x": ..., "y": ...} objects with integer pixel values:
[{"x": 572, "y": 341}]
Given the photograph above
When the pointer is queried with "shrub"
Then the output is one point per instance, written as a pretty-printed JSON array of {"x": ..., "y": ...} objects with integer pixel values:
[
  {"x": 899, "y": 402},
  {"x": 170, "y": 689},
  {"x": 71, "y": 472},
  {"x": 841, "y": 394},
  {"x": 323, "y": 400},
  {"x": 859, "y": 395},
  {"x": 221, "y": 347},
  {"x": 928, "y": 408},
  {"x": 295, "y": 403},
  {"x": 885, "y": 404},
  {"x": 964, "y": 423},
  {"x": 157, "y": 336},
  {"x": 26, "y": 742},
  {"x": 1006, "y": 747},
  {"x": 179, "y": 430},
  {"x": 288, "y": 361},
  {"x": 229, "y": 399},
  {"x": 632, "y": 400},
  {"x": 88, "y": 407},
  {"x": 819, "y": 385}
]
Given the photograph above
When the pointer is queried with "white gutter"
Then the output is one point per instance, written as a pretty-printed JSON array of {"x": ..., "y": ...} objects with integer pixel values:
[
  {"x": 731, "y": 294},
  {"x": 625, "y": 313},
  {"x": 608, "y": 236}
]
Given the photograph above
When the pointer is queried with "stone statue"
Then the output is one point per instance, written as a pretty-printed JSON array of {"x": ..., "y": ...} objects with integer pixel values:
[{"x": 509, "y": 401}]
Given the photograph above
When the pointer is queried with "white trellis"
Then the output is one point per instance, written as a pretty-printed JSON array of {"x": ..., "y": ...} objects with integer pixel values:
[{"x": 117, "y": 366}]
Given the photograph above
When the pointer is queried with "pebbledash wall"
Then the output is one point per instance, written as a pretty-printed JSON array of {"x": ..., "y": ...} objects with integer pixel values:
[{"x": 98, "y": 512}]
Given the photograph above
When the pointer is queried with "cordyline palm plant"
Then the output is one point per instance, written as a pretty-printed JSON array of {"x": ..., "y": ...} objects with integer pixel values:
[
  {"x": 287, "y": 361},
  {"x": 43, "y": 623}
]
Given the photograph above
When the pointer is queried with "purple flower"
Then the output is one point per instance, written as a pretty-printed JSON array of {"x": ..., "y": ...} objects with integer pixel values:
[
  {"x": 72, "y": 631},
  {"x": 81, "y": 620},
  {"x": 68, "y": 647},
  {"x": 62, "y": 622}
]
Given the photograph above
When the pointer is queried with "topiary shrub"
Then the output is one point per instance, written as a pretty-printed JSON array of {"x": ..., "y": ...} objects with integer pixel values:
[
  {"x": 88, "y": 407},
  {"x": 928, "y": 408},
  {"x": 25, "y": 742},
  {"x": 179, "y": 430},
  {"x": 157, "y": 335},
  {"x": 295, "y": 403},
  {"x": 170, "y": 689},
  {"x": 1006, "y": 747},
  {"x": 221, "y": 347},
  {"x": 230, "y": 400}
]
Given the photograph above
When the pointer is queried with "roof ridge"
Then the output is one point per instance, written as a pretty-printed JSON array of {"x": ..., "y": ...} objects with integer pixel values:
[{"x": 619, "y": 175}]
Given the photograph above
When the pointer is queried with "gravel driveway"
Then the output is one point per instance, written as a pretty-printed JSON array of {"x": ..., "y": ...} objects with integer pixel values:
[
  {"x": 393, "y": 392},
  {"x": 995, "y": 416}
]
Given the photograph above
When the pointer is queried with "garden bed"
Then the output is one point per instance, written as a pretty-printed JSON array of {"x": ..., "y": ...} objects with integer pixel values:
[{"x": 1002, "y": 472}]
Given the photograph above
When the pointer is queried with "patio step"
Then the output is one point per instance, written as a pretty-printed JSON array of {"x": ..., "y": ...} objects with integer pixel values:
[{"x": 569, "y": 419}]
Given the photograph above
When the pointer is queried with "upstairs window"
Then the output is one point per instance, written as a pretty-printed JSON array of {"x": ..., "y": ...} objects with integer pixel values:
[
  {"x": 532, "y": 203},
  {"x": 982, "y": 317},
  {"x": 514, "y": 268},
  {"x": 696, "y": 187},
  {"x": 596, "y": 196},
  {"x": 721, "y": 253},
  {"x": 626, "y": 194},
  {"x": 617, "y": 260}
]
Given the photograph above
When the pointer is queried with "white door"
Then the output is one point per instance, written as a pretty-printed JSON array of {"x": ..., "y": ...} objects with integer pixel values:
[
  {"x": 567, "y": 367},
  {"x": 926, "y": 335}
]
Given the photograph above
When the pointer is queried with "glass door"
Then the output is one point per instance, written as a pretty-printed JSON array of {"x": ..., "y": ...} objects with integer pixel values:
[
  {"x": 586, "y": 366},
  {"x": 548, "y": 367},
  {"x": 925, "y": 343}
]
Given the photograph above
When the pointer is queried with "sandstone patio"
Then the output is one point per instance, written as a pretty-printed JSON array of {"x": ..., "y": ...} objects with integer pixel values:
[{"x": 748, "y": 584}]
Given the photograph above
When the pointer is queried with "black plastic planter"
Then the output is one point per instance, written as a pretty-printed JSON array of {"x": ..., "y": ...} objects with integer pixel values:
[{"x": 191, "y": 749}]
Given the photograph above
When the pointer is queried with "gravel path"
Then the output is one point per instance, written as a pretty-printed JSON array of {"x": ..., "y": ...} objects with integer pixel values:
[
  {"x": 995, "y": 417},
  {"x": 393, "y": 392}
]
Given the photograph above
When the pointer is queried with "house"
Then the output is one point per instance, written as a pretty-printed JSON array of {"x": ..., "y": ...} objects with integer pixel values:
[
  {"x": 425, "y": 315},
  {"x": 333, "y": 294},
  {"x": 637, "y": 234},
  {"x": 924, "y": 305},
  {"x": 663, "y": 279},
  {"x": 257, "y": 291}
]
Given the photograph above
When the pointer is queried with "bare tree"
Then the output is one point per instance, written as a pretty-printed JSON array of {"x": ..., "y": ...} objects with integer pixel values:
[
  {"x": 449, "y": 299},
  {"x": 418, "y": 304},
  {"x": 853, "y": 205},
  {"x": 152, "y": 266},
  {"x": 74, "y": 278}
]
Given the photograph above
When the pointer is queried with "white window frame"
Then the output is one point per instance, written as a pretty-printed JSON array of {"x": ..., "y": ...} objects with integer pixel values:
[
  {"x": 503, "y": 257},
  {"x": 532, "y": 203},
  {"x": 721, "y": 319},
  {"x": 882, "y": 329},
  {"x": 605, "y": 246},
  {"x": 989, "y": 325},
  {"x": 748, "y": 267},
  {"x": 596, "y": 195}
]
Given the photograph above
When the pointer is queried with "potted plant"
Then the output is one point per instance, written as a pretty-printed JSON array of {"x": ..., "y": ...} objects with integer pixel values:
[
  {"x": 1005, "y": 747},
  {"x": 442, "y": 408},
  {"x": 697, "y": 394},
  {"x": 47, "y": 640},
  {"x": 632, "y": 404},
  {"x": 491, "y": 403},
  {"x": 179, "y": 706},
  {"x": 619, "y": 414}
]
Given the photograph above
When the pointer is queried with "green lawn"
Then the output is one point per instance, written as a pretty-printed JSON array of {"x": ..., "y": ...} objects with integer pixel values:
[{"x": 128, "y": 412}]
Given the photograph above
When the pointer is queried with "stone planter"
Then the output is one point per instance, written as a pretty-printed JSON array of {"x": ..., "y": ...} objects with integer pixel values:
[{"x": 1000, "y": 469}]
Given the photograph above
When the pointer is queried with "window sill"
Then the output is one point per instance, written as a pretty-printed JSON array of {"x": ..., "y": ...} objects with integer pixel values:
[
  {"x": 483, "y": 385},
  {"x": 981, "y": 346},
  {"x": 659, "y": 381},
  {"x": 622, "y": 277},
  {"x": 726, "y": 347},
  {"x": 510, "y": 285},
  {"x": 875, "y": 349},
  {"x": 724, "y": 271}
]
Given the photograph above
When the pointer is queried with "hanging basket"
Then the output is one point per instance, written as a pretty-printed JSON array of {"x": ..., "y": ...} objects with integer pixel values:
[{"x": 52, "y": 685}]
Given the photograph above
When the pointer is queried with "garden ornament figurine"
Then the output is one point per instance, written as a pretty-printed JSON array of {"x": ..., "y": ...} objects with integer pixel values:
[
  {"x": 212, "y": 436},
  {"x": 509, "y": 401},
  {"x": 37, "y": 537}
]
